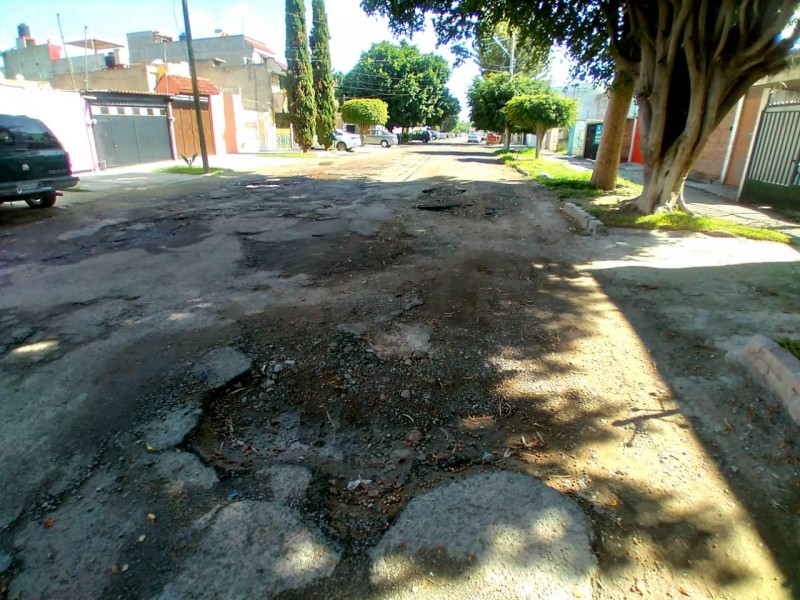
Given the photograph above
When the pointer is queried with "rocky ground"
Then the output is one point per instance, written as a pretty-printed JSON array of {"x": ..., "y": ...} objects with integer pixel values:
[{"x": 349, "y": 377}]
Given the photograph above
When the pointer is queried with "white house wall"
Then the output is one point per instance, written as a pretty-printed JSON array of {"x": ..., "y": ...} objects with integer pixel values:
[{"x": 63, "y": 112}]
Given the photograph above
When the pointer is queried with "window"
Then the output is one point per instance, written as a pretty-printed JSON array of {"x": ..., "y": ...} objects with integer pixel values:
[
  {"x": 6, "y": 137},
  {"x": 40, "y": 138}
]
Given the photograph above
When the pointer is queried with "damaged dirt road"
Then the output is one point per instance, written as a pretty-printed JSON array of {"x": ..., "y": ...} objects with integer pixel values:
[{"x": 262, "y": 386}]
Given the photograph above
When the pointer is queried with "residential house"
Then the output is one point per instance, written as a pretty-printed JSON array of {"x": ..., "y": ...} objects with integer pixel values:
[
  {"x": 584, "y": 136},
  {"x": 239, "y": 66},
  {"x": 49, "y": 63}
]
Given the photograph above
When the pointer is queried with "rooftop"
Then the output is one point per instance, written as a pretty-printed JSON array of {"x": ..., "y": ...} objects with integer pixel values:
[
  {"x": 177, "y": 84},
  {"x": 94, "y": 44}
]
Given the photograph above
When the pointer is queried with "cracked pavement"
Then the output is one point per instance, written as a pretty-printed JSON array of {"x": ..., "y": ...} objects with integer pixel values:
[{"x": 193, "y": 374}]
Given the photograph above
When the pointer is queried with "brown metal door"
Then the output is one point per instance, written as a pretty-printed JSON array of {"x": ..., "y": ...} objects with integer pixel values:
[{"x": 187, "y": 140}]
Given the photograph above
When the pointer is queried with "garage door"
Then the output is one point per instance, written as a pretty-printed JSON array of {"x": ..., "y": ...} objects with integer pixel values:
[
  {"x": 187, "y": 139},
  {"x": 128, "y": 135}
]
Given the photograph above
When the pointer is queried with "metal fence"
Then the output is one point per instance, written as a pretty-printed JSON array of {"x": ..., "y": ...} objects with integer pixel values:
[{"x": 773, "y": 175}]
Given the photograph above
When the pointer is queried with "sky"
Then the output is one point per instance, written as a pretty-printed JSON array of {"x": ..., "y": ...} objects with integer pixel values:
[{"x": 352, "y": 31}]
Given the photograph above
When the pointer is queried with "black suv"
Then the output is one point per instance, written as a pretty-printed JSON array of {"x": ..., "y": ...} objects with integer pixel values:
[
  {"x": 33, "y": 164},
  {"x": 423, "y": 136}
]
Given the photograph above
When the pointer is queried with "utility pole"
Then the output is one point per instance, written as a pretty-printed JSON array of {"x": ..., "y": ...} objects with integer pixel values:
[
  {"x": 511, "y": 56},
  {"x": 86, "y": 57},
  {"x": 512, "y": 53},
  {"x": 195, "y": 90},
  {"x": 69, "y": 60}
]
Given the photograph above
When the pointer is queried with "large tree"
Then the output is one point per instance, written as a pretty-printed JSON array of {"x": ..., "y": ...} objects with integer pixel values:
[
  {"x": 487, "y": 97},
  {"x": 445, "y": 111},
  {"x": 365, "y": 112},
  {"x": 541, "y": 112},
  {"x": 690, "y": 60},
  {"x": 411, "y": 83},
  {"x": 324, "y": 88},
  {"x": 299, "y": 81}
]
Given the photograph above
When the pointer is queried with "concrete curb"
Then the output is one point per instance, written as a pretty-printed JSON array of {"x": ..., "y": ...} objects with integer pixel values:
[
  {"x": 521, "y": 171},
  {"x": 778, "y": 368},
  {"x": 588, "y": 224}
]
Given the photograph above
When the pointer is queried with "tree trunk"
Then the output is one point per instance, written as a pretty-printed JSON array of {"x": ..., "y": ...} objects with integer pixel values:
[
  {"x": 693, "y": 65},
  {"x": 663, "y": 185},
  {"x": 540, "y": 133},
  {"x": 507, "y": 137},
  {"x": 620, "y": 95}
]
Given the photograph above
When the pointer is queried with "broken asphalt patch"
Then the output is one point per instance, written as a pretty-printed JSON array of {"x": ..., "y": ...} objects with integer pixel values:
[{"x": 495, "y": 535}]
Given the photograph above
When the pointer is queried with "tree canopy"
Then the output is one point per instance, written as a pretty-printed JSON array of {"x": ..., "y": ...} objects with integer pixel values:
[
  {"x": 541, "y": 112},
  {"x": 323, "y": 77},
  {"x": 412, "y": 84},
  {"x": 446, "y": 111},
  {"x": 299, "y": 81},
  {"x": 488, "y": 96},
  {"x": 691, "y": 60},
  {"x": 365, "y": 112}
]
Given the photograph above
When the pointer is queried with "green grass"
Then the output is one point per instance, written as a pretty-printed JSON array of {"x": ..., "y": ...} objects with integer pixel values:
[
  {"x": 791, "y": 345},
  {"x": 187, "y": 170},
  {"x": 574, "y": 184},
  {"x": 681, "y": 221}
]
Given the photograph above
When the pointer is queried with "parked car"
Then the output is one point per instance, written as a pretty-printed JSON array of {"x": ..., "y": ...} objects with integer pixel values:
[
  {"x": 344, "y": 140},
  {"x": 418, "y": 136},
  {"x": 380, "y": 135},
  {"x": 474, "y": 137},
  {"x": 34, "y": 166}
]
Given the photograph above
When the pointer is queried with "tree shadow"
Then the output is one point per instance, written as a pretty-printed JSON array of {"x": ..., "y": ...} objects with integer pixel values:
[{"x": 527, "y": 341}]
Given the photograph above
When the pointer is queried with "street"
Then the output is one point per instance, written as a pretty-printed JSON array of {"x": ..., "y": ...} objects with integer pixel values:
[{"x": 233, "y": 387}]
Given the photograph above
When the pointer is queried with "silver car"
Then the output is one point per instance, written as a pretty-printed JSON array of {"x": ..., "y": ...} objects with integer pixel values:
[
  {"x": 379, "y": 135},
  {"x": 344, "y": 140}
]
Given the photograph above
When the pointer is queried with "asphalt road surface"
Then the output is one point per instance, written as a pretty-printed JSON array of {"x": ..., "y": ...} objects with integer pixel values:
[{"x": 236, "y": 387}]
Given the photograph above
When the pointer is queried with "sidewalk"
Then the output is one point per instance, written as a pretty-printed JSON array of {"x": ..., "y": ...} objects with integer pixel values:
[
  {"x": 140, "y": 177},
  {"x": 719, "y": 201},
  {"x": 709, "y": 200}
]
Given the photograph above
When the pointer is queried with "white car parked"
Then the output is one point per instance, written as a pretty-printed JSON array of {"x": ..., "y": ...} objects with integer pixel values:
[{"x": 344, "y": 140}]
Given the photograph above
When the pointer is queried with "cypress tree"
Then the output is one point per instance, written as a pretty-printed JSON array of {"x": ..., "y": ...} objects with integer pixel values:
[
  {"x": 323, "y": 77},
  {"x": 299, "y": 83}
]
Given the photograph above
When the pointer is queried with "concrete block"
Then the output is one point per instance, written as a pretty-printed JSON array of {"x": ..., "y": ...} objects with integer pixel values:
[
  {"x": 760, "y": 365},
  {"x": 588, "y": 224},
  {"x": 778, "y": 368}
]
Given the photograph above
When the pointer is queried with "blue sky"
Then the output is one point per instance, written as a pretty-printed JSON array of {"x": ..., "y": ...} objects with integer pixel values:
[{"x": 352, "y": 31}]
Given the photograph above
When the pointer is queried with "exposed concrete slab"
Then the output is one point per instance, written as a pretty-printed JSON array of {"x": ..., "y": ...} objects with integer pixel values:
[
  {"x": 495, "y": 535},
  {"x": 253, "y": 550},
  {"x": 183, "y": 471},
  {"x": 88, "y": 230},
  {"x": 365, "y": 228},
  {"x": 304, "y": 230},
  {"x": 288, "y": 482},
  {"x": 169, "y": 431},
  {"x": 221, "y": 366},
  {"x": 404, "y": 340},
  {"x": 778, "y": 368}
]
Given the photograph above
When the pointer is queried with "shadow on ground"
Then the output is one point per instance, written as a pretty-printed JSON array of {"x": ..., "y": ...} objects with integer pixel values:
[{"x": 422, "y": 344}]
